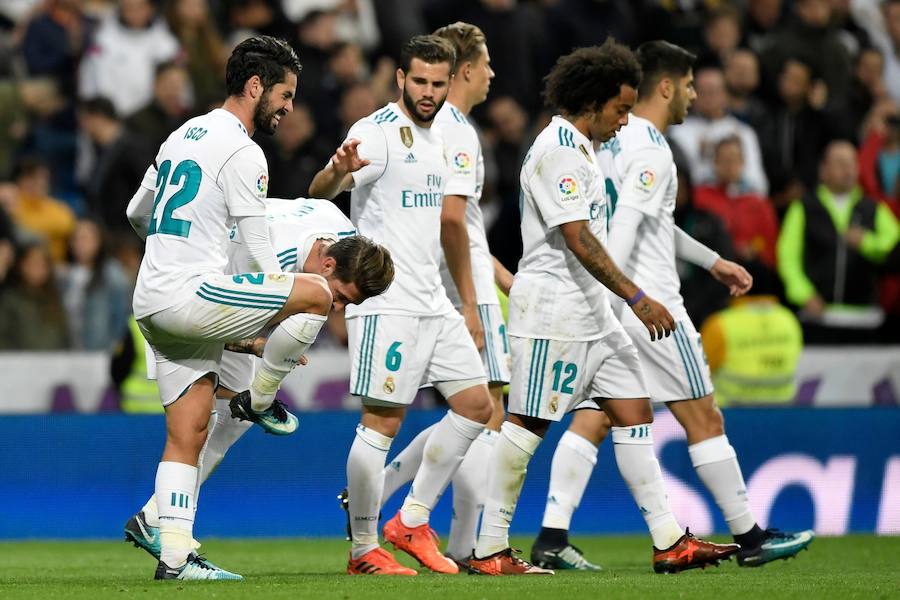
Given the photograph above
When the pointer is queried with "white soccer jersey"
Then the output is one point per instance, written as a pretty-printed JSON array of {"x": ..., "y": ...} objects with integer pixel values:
[
  {"x": 641, "y": 173},
  {"x": 467, "y": 180},
  {"x": 207, "y": 172},
  {"x": 553, "y": 296},
  {"x": 396, "y": 201},
  {"x": 294, "y": 226}
]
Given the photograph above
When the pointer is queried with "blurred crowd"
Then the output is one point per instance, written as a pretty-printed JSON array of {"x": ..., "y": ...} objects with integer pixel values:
[{"x": 789, "y": 161}]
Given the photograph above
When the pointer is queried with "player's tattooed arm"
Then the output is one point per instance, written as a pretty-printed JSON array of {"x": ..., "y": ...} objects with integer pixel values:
[{"x": 594, "y": 257}]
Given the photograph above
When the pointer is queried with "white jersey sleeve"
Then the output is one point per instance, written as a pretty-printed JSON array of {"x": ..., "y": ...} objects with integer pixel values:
[
  {"x": 645, "y": 180},
  {"x": 559, "y": 187},
  {"x": 245, "y": 180},
  {"x": 372, "y": 147},
  {"x": 464, "y": 152}
]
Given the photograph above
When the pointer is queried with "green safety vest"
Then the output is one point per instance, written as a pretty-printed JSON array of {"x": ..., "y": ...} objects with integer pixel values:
[
  {"x": 139, "y": 394},
  {"x": 763, "y": 342}
]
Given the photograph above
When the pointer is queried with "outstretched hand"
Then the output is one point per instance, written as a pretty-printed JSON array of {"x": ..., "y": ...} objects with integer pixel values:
[
  {"x": 733, "y": 276},
  {"x": 346, "y": 158}
]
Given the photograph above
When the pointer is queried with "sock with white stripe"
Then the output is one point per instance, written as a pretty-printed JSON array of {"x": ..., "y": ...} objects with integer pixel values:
[
  {"x": 441, "y": 457},
  {"x": 175, "y": 492},
  {"x": 640, "y": 470},
  {"x": 365, "y": 483},
  {"x": 403, "y": 467},
  {"x": 717, "y": 467},
  {"x": 506, "y": 475},
  {"x": 469, "y": 489},
  {"x": 573, "y": 463},
  {"x": 284, "y": 347}
]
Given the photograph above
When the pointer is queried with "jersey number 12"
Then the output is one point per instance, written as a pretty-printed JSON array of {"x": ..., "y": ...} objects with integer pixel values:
[{"x": 187, "y": 174}]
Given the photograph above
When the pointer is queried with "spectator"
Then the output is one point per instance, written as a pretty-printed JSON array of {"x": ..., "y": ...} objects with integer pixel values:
[
  {"x": 7, "y": 235},
  {"x": 54, "y": 41},
  {"x": 509, "y": 140},
  {"x": 811, "y": 36},
  {"x": 888, "y": 41},
  {"x": 749, "y": 218},
  {"x": 879, "y": 157},
  {"x": 866, "y": 88},
  {"x": 119, "y": 162},
  {"x": 295, "y": 153},
  {"x": 721, "y": 34},
  {"x": 31, "y": 310},
  {"x": 22, "y": 103},
  {"x": 753, "y": 348},
  {"x": 169, "y": 108},
  {"x": 742, "y": 82},
  {"x": 203, "y": 49},
  {"x": 35, "y": 211},
  {"x": 831, "y": 244},
  {"x": 356, "y": 19},
  {"x": 95, "y": 291},
  {"x": 797, "y": 129},
  {"x": 764, "y": 17},
  {"x": 121, "y": 61},
  {"x": 709, "y": 123},
  {"x": 246, "y": 18}
]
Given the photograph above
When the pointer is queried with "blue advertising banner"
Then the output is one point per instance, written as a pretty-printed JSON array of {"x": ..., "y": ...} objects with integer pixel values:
[{"x": 83, "y": 476}]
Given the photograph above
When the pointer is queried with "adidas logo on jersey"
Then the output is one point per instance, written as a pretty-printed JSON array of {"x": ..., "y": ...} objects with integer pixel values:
[{"x": 410, "y": 158}]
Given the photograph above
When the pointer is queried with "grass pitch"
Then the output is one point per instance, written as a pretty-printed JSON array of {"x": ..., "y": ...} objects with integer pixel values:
[{"x": 849, "y": 567}]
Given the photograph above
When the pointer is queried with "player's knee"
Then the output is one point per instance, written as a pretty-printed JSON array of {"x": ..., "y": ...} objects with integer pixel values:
[{"x": 315, "y": 294}]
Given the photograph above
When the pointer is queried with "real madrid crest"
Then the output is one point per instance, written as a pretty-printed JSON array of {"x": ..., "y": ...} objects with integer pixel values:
[
  {"x": 406, "y": 136},
  {"x": 388, "y": 386},
  {"x": 554, "y": 404}
]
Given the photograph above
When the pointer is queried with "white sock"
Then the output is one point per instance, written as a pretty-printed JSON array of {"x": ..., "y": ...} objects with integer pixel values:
[
  {"x": 284, "y": 347},
  {"x": 365, "y": 484},
  {"x": 151, "y": 513},
  {"x": 506, "y": 474},
  {"x": 223, "y": 433},
  {"x": 640, "y": 470},
  {"x": 444, "y": 451},
  {"x": 175, "y": 485},
  {"x": 469, "y": 489},
  {"x": 405, "y": 465},
  {"x": 573, "y": 463},
  {"x": 716, "y": 464}
]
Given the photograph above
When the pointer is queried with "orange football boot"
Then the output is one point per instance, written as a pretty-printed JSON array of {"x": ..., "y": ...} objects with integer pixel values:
[
  {"x": 419, "y": 542},
  {"x": 690, "y": 552},
  {"x": 377, "y": 562},
  {"x": 505, "y": 563}
]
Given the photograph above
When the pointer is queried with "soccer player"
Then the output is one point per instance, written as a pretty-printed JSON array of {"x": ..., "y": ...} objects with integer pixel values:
[
  {"x": 209, "y": 174},
  {"x": 468, "y": 275},
  {"x": 395, "y": 162},
  {"x": 644, "y": 239},
  {"x": 309, "y": 236},
  {"x": 568, "y": 349}
]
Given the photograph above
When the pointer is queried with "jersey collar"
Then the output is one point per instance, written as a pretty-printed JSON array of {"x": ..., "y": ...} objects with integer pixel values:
[
  {"x": 233, "y": 117},
  {"x": 579, "y": 137}
]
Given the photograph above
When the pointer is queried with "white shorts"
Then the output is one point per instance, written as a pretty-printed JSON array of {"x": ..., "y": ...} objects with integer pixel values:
[
  {"x": 392, "y": 356},
  {"x": 552, "y": 377},
  {"x": 675, "y": 367},
  {"x": 236, "y": 370},
  {"x": 495, "y": 355},
  {"x": 188, "y": 339}
]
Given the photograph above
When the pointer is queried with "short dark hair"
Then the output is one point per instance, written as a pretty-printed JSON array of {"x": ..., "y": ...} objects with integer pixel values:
[
  {"x": 428, "y": 48},
  {"x": 660, "y": 59},
  {"x": 27, "y": 166},
  {"x": 363, "y": 262},
  {"x": 467, "y": 40},
  {"x": 268, "y": 57},
  {"x": 589, "y": 77},
  {"x": 99, "y": 106}
]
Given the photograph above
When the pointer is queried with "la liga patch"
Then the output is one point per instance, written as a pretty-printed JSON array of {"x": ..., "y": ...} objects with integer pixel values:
[{"x": 262, "y": 184}]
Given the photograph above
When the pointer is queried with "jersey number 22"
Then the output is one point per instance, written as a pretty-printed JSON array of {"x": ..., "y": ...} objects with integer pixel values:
[{"x": 187, "y": 173}]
